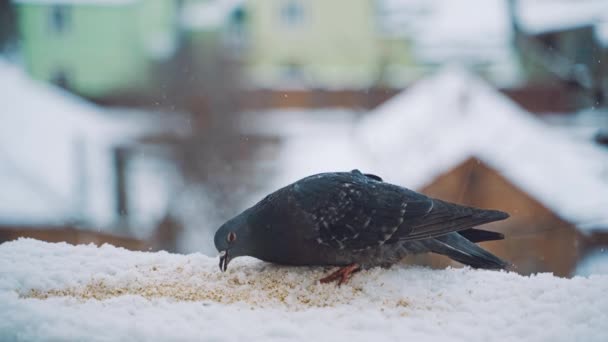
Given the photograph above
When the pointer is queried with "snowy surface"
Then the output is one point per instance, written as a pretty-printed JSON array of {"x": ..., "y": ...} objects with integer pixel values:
[
  {"x": 55, "y": 292},
  {"x": 445, "y": 119}
]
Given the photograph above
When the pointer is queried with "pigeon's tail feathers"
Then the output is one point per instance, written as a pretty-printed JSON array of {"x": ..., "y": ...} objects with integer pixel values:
[
  {"x": 479, "y": 235},
  {"x": 457, "y": 247},
  {"x": 448, "y": 217},
  {"x": 487, "y": 215}
]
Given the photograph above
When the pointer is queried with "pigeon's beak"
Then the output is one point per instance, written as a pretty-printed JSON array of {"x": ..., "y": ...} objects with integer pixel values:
[{"x": 224, "y": 260}]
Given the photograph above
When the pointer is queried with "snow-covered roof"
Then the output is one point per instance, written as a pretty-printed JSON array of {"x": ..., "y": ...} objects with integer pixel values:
[
  {"x": 77, "y": 2},
  {"x": 50, "y": 143},
  {"x": 52, "y": 292},
  {"x": 207, "y": 15},
  {"x": 550, "y": 15},
  {"x": 555, "y": 15},
  {"x": 311, "y": 142},
  {"x": 441, "y": 121}
]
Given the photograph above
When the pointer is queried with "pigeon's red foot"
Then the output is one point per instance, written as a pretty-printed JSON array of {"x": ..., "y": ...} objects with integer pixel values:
[{"x": 342, "y": 275}]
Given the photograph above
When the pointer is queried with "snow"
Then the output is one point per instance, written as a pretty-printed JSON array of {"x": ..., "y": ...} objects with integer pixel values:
[
  {"x": 207, "y": 15},
  {"x": 311, "y": 141},
  {"x": 585, "y": 124},
  {"x": 444, "y": 31},
  {"x": 452, "y": 116},
  {"x": 551, "y": 15},
  {"x": 56, "y": 152},
  {"x": 62, "y": 292},
  {"x": 42, "y": 128},
  {"x": 445, "y": 21},
  {"x": 555, "y": 15}
]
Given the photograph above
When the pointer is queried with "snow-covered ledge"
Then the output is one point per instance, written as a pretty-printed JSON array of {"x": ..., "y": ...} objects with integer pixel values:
[{"x": 64, "y": 292}]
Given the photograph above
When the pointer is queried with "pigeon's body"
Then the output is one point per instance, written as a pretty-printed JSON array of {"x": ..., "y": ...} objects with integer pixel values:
[{"x": 351, "y": 218}]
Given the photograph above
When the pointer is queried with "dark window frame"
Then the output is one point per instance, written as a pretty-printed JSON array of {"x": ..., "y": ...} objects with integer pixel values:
[{"x": 59, "y": 18}]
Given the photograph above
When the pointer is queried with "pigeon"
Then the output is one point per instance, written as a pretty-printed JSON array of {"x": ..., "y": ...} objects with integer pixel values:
[{"x": 355, "y": 221}]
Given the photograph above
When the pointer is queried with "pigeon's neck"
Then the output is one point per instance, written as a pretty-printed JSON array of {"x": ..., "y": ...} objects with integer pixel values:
[{"x": 269, "y": 222}]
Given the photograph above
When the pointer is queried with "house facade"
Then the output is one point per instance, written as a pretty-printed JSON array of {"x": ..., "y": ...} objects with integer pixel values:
[
  {"x": 302, "y": 45},
  {"x": 537, "y": 239},
  {"x": 96, "y": 48},
  {"x": 316, "y": 43},
  {"x": 567, "y": 48}
]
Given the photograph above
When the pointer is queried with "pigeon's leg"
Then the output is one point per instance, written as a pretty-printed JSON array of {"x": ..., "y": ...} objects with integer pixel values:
[{"x": 342, "y": 275}]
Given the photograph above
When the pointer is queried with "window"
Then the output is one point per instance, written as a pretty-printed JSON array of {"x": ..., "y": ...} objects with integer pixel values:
[
  {"x": 236, "y": 37},
  {"x": 59, "y": 77},
  {"x": 292, "y": 13},
  {"x": 59, "y": 18},
  {"x": 293, "y": 72}
]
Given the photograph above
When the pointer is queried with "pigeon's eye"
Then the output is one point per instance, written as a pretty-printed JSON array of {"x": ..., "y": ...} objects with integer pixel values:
[{"x": 231, "y": 237}]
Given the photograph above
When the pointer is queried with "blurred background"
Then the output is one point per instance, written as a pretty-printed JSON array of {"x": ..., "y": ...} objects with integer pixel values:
[{"x": 148, "y": 123}]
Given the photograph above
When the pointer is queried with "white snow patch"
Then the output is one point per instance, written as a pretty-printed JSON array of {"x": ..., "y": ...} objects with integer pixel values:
[{"x": 62, "y": 292}]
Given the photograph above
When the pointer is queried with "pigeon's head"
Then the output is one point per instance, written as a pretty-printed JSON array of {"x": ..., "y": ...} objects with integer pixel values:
[{"x": 231, "y": 240}]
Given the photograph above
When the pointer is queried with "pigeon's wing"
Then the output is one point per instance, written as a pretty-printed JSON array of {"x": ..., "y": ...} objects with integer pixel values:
[
  {"x": 354, "y": 213},
  {"x": 444, "y": 217},
  {"x": 357, "y": 212}
]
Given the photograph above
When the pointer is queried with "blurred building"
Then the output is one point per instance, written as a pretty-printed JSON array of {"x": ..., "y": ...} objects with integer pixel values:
[
  {"x": 97, "y": 49},
  {"x": 310, "y": 53},
  {"x": 455, "y": 137},
  {"x": 294, "y": 44},
  {"x": 564, "y": 44},
  {"x": 327, "y": 44},
  {"x": 60, "y": 175},
  {"x": 538, "y": 238},
  {"x": 365, "y": 43},
  {"x": 473, "y": 33}
]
